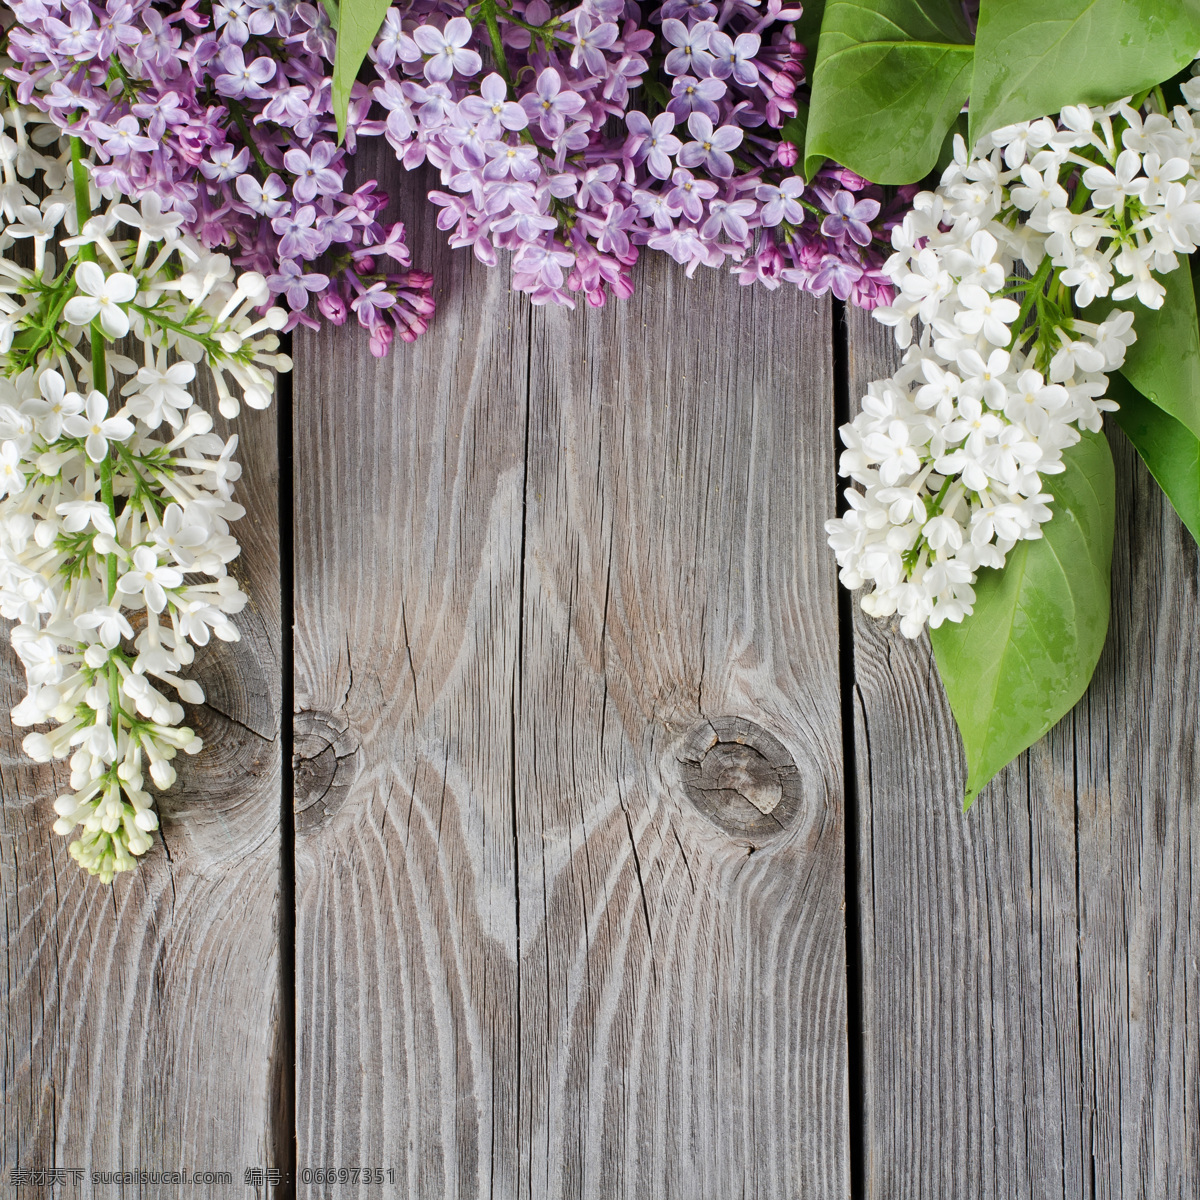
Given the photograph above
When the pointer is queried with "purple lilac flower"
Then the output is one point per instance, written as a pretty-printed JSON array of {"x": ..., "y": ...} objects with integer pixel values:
[
  {"x": 549, "y": 104},
  {"x": 525, "y": 147},
  {"x": 295, "y": 285},
  {"x": 447, "y": 50},
  {"x": 689, "y": 95},
  {"x": 573, "y": 203},
  {"x": 848, "y": 216},
  {"x": 652, "y": 142},
  {"x": 711, "y": 147},
  {"x": 121, "y": 138},
  {"x": 312, "y": 171},
  {"x": 735, "y": 56},
  {"x": 782, "y": 202},
  {"x": 227, "y": 122},
  {"x": 690, "y": 55}
]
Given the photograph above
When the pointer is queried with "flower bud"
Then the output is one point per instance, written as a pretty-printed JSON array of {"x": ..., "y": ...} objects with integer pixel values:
[
  {"x": 162, "y": 773},
  {"x": 332, "y": 307},
  {"x": 254, "y": 287},
  {"x": 787, "y": 154},
  {"x": 38, "y": 747},
  {"x": 66, "y": 804},
  {"x": 190, "y": 692}
]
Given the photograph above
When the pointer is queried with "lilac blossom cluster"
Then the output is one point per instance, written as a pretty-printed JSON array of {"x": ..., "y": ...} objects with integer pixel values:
[
  {"x": 529, "y": 115},
  {"x": 222, "y": 111}
]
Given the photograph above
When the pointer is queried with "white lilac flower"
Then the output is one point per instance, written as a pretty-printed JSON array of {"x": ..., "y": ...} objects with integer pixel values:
[
  {"x": 53, "y": 406},
  {"x": 103, "y": 512},
  {"x": 181, "y": 534},
  {"x": 39, "y": 224},
  {"x": 96, "y": 427},
  {"x": 149, "y": 579},
  {"x": 77, "y": 515},
  {"x": 948, "y": 456},
  {"x": 109, "y": 623},
  {"x": 101, "y": 297},
  {"x": 12, "y": 478},
  {"x": 160, "y": 391}
]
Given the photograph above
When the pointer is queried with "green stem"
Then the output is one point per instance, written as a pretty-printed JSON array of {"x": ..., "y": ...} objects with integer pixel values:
[
  {"x": 1031, "y": 294},
  {"x": 911, "y": 556},
  {"x": 106, "y": 494},
  {"x": 142, "y": 491},
  {"x": 209, "y": 344},
  {"x": 937, "y": 500},
  {"x": 114, "y": 698},
  {"x": 44, "y": 331},
  {"x": 240, "y": 120},
  {"x": 488, "y": 8},
  {"x": 545, "y": 32},
  {"x": 83, "y": 210},
  {"x": 83, "y": 198}
]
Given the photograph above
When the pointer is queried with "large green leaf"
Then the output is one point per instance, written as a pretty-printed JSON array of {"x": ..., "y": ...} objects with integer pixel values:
[
  {"x": 1033, "y": 58},
  {"x": 358, "y": 23},
  {"x": 891, "y": 76},
  {"x": 1164, "y": 363},
  {"x": 1024, "y": 657},
  {"x": 1171, "y": 452}
]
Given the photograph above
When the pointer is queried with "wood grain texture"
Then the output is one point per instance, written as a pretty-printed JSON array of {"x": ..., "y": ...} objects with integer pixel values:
[
  {"x": 534, "y": 552},
  {"x": 140, "y": 1019},
  {"x": 683, "y": 995},
  {"x": 408, "y": 547},
  {"x": 1031, "y": 1001}
]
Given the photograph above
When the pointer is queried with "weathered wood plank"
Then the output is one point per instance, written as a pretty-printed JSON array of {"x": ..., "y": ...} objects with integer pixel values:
[
  {"x": 682, "y": 984},
  {"x": 1030, "y": 969},
  {"x": 1138, "y": 834},
  {"x": 527, "y": 966},
  {"x": 408, "y": 546},
  {"x": 140, "y": 1020}
]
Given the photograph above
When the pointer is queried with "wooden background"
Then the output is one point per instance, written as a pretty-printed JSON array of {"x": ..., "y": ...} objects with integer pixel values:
[{"x": 620, "y": 856}]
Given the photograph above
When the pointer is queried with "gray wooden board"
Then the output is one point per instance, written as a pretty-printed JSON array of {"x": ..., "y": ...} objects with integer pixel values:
[
  {"x": 407, "y": 578},
  {"x": 1031, "y": 991},
  {"x": 555, "y": 573},
  {"x": 140, "y": 1021}
]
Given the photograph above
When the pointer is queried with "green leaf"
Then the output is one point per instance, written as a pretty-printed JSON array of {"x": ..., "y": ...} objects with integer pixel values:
[
  {"x": 1024, "y": 657},
  {"x": 331, "y": 11},
  {"x": 1032, "y": 57},
  {"x": 889, "y": 81},
  {"x": 1164, "y": 363},
  {"x": 358, "y": 23},
  {"x": 1171, "y": 452}
]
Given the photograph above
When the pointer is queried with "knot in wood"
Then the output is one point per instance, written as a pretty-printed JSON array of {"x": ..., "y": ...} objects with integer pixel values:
[
  {"x": 740, "y": 777},
  {"x": 325, "y": 763}
]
